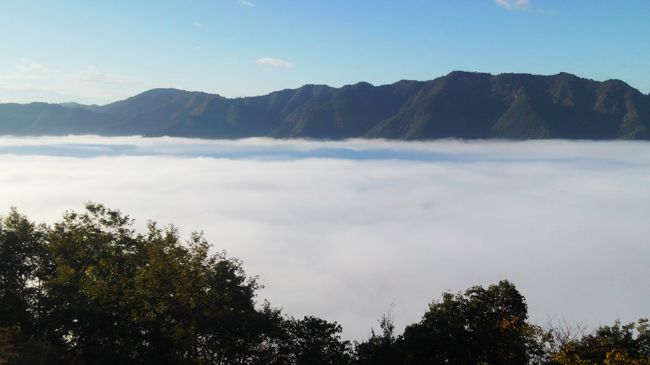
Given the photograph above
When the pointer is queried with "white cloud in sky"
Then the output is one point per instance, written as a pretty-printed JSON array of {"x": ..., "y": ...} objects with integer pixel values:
[
  {"x": 342, "y": 239},
  {"x": 92, "y": 75},
  {"x": 521, "y": 5},
  {"x": 514, "y": 4},
  {"x": 547, "y": 12},
  {"x": 197, "y": 25},
  {"x": 246, "y": 3},
  {"x": 274, "y": 62},
  {"x": 35, "y": 79},
  {"x": 29, "y": 66}
]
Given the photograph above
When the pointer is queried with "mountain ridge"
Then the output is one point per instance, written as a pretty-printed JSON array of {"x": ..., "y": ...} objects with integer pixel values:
[{"x": 466, "y": 105}]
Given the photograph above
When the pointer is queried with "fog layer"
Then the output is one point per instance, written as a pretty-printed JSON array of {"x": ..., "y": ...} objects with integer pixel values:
[{"x": 341, "y": 230}]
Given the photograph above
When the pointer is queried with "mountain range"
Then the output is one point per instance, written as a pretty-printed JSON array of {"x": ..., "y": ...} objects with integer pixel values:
[{"x": 465, "y": 105}]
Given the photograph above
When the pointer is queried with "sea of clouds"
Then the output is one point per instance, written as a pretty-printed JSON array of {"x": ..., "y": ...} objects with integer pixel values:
[{"x": 342, "y": 230}]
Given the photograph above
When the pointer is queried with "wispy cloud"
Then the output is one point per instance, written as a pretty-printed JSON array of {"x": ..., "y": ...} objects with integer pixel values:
[
  {"x": 246, "y": 3},
  {"x": 36, "y": 71},
  {"x": 523, "y": 5},
  {"x": 514, "y": 4},
  {"x": 41, "y": 80},
  {"x": 92, "y": 75},
  {"x": 274, "y": 62},
  {"x": 26, "y": 65},
  {"x": 197, "y": 25}
]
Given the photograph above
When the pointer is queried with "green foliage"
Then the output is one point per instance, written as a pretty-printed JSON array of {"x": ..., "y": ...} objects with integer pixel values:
[
  {"x": 613, "y": 345},
  {"x": 89, "y": 290},
  {"x": 103, "y": 294},
  {"x": 314, "y": 341},
  {"x": 383, "y": 349},
  {"x": 481, "y": 325},
  {"x": 478, "y": 326},
  {"x": 16, "y": 348},
  {"x": 24, "y": 263},
  {"x": 149, "y": 298}
]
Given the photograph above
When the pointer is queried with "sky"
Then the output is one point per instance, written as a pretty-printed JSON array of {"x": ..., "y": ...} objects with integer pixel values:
[
  {"x": 97, "y": 52},
  {"x": 344, "y": 230}
]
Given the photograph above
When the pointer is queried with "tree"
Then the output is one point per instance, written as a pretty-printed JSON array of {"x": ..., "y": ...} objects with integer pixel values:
[
  {"x": 315, "y": 341},
  {"x": 17, "y": 348},
  {"x": 479, "y": 326},
  {"x": 89, "y": 290},
  {"x": 122, "y": 297},
  {"x": 102, "y": 294},
  {"x": 383, "y": 349},
  {"x": 615, "y": 345},
  {"x": 24, "y": 264}
]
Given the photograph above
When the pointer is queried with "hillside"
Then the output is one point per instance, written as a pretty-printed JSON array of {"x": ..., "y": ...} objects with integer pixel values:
[{"x": 458, "y": 105}]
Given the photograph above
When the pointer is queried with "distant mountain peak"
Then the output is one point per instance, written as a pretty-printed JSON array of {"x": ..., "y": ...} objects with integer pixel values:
[{"x": 460, "y": 104}]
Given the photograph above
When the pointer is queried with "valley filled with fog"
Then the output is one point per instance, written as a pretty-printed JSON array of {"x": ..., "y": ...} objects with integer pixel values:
[{"x": 343, "y": 230}]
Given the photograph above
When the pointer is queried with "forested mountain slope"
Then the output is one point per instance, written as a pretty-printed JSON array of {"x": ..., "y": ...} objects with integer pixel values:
[{"x": 459, "y": 105}]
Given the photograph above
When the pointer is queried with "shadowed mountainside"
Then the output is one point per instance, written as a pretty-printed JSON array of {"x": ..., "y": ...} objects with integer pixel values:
[{"x": 458, "y": 105}]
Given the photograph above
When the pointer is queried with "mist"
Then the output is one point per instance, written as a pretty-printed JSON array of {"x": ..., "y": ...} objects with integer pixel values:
[{"x": 343, "y": 230}]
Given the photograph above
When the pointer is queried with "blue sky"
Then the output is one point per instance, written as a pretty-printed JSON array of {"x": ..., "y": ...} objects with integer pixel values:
[{"x": 99, "y": 52}]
